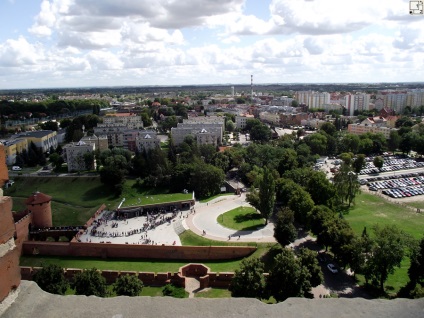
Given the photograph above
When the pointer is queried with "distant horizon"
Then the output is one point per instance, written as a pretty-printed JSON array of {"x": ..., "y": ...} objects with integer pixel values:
[{"x": 216, "y": 85}]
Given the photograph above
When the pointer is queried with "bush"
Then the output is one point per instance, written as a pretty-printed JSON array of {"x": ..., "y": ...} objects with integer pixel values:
[
  {"x": 51, "y": 279},
  {"x": 128, "y": 285},
  {"x": 174, "y": 291},
  {"x": 89, "y": 282}
]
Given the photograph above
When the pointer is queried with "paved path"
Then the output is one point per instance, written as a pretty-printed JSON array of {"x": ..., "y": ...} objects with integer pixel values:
[
  {"x": 205, "y": 219},
  {"x": 192, "y": 286}
]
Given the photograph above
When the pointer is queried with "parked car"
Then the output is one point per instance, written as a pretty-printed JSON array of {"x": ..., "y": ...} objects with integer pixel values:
[
  {"x": 332, "y": 268},
  {"x": 16, "y": 168}
]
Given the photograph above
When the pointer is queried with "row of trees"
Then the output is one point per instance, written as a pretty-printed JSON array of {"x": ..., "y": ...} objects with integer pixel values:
[
  {"x": 291, "y": 275},
  {"x": 90, "y": 282}
]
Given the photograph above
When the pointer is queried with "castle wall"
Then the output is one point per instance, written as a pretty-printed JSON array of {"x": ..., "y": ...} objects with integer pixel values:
[
  {"x": 102, "y": 250},
  {"x": 10, "y": 276},
  {"x": 148, "y": 279},
  {"x": 4, "y": 173}
]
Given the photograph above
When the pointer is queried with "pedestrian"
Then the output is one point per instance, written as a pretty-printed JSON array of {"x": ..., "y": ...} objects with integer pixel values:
[
  {"x": 239, "y": 237},
  {"x": 229, "y": 237}
]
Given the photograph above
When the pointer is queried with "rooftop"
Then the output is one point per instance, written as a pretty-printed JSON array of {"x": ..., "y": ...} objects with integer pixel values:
[{"x": 32, "y": 302}]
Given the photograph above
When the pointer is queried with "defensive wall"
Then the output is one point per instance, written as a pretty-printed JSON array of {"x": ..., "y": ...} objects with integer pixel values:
[
  {"x": 202, "y": 272},
  {"x": 105, "y": 250}
]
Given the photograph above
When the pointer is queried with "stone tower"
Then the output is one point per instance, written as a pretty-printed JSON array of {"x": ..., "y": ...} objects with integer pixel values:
[{"x": 40, "y": 206}]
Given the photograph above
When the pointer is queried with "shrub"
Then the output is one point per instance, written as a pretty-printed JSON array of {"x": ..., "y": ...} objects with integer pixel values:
[{"x": 174, "y": 291}]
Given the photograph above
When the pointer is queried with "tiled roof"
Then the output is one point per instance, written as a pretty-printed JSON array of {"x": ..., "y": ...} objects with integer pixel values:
[{"x": 37, "y": 198}]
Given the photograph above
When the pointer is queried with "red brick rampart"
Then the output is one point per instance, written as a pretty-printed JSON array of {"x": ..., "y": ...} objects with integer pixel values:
[
  {"x": 148, "y": 279},
  {"x": 104, "y": 250}
]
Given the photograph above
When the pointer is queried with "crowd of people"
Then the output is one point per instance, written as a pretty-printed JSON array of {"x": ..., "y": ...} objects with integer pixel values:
[{"x": 109, "y": 225}]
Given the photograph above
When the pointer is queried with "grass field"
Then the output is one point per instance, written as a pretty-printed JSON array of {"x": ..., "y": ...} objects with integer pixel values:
[
  {"x": 370, "y": 210},
  {"x": 87, "y": 192},
  {"x": 214, "y": 293},
  {"x": 241, "y": 219}
]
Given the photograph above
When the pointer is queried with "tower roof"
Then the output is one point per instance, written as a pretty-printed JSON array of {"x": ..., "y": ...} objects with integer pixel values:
[{"x": 37, "y": 198}]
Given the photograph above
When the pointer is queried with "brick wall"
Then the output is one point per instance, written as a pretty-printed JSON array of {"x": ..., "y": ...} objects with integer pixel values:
[
  {"x": 102, "y": 250},
  {"x": 148, "y": 279}
]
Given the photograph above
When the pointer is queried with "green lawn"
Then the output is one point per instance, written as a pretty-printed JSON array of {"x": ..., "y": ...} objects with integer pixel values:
[
  {"x": 85, "y": 192},
  {"x": 416, "y": 204},
  {"x": 214, "y": 293},
  {"x": 241, "y": 219},
  {"x": 370, "y": 209}
]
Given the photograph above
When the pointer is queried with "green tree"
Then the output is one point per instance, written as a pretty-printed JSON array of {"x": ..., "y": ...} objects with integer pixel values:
[
  {"x": 394, "y": 141},
  {"x": 301, "y": 204},
  {"x": 378, "y": 162},
  {"x": 265, "y": 199},
  {"x": 358, "y": 163},
  {"x": 89, "y": 282},
  {"x": 320, "y": 188},
  {"x": 309, "y": 260},
  {"x": 288, "y": 278},
  {"x": 56, "y": 160},
  {"x": 317, "y": 143},
  {"x": 346, "y": 185},
  {"x": 387, "y": 252},
  {"x": 329, "y": 128},
  {"x": 51, "y": 279},
  {"x": 248, "y": 280},
  {"x": 128, "y": 285},
  {"x": 416, "y": 269},
  {"x": 284, "y": 229}
]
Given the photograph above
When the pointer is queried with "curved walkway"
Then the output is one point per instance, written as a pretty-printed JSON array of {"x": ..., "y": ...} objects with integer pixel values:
[{"x": 205, "y": 219}]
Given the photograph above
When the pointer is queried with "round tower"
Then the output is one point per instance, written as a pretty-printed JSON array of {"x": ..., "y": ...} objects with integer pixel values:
[{"x": 40, "y": 206}]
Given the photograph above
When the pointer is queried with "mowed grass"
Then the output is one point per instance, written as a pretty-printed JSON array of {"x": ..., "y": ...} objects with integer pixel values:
[
  {"x": 370, "y": 210},
  {"x": 214, "y": 293},
  {"x": 241, "y": 219},
  {"x": 85, "y": 192}
]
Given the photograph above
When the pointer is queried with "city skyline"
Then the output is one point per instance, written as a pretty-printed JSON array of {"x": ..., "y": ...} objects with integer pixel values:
[{"x": 76, "y": 43}]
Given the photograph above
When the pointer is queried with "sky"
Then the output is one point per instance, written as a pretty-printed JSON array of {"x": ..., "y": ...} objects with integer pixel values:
[{"x": 89, "y": 43}]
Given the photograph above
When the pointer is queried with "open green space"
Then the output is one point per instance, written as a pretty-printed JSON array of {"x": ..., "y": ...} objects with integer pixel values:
[
  {"x": 241, "y": 219},
  {"x": 370, "y": 210},
  {"x": 213, "y": 293},
  {"x": 87, "y": 192},
  {"x": 416, "y": 204}
]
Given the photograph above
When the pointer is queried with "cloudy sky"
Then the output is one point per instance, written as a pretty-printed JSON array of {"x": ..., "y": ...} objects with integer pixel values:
[{"x": 77, "y": 43}]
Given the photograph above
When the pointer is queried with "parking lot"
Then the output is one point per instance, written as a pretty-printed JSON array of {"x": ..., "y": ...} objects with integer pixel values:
[
  {"x": 391, "y": 163},
  {"x": 403, "y": 186}
]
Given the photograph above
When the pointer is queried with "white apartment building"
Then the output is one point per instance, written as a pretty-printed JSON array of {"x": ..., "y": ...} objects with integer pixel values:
[
  {"x": 358, "y": 101},
  {"x": 313, "y": 99},
  {"x": 242, "y": 120},
  {"x": 203, "y": 133},
  {"x": 74, "y": 156},
  {"x": 131, "y": 121},
  {"x": 146, "y": 141}
]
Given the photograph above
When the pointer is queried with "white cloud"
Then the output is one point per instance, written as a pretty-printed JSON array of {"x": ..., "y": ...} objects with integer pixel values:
[{"x": 18, "y": 53}]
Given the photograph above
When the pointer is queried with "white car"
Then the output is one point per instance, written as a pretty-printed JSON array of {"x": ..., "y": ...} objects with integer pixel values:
[{"x": 332, "y": 268}]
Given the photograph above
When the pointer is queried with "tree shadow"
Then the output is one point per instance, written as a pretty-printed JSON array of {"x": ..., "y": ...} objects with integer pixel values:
[{"x": 253, "y": 216}]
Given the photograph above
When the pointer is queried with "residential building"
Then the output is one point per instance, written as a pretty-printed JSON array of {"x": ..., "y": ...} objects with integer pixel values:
[
  {"x": 147, "y": 140},
  {"x": 359, "y": 129},
  {"x": 129, "y": 120},
  {"x": 101, "y": 142},
  {"x": 206, "y": 130},
  {"x": 43, "y": 139},
  {"x": 12, "y": 148},
  {"x": 242, "y": 119},
  {"x": 74, "y": 156},
  {"x": 313, "y": 99}
]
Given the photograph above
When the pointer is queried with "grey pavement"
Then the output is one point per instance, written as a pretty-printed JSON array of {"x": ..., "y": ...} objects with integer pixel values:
[{"x": 206, "y": 219}]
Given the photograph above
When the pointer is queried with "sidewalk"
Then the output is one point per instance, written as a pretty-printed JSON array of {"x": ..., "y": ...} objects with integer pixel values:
[{"x": 205, "y": 219}]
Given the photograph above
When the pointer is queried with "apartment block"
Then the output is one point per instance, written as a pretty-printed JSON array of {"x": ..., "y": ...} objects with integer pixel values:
[{"x": 74, "y": 156}]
